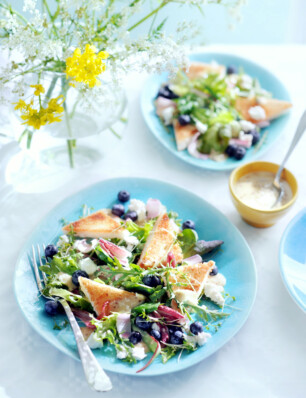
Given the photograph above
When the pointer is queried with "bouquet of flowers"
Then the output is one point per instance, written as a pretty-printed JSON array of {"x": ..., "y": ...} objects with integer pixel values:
[{"x": 85, "y": 45}]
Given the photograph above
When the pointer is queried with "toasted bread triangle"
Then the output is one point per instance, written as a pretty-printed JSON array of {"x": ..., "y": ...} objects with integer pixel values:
[
  {"x": 183, "y": 134},
  {"x": 191, "y": 277},
  {"x": 199, "y": 69},
  {"x": 97, "y": 225},
  {"x": 159, "y": 242},
  {"x": 98, "y": 293},
  {"x": 273, "y": 107}
]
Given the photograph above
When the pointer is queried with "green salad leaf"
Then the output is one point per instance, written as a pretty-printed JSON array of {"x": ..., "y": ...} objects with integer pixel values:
[
  {"x": 187, "y": 240},
  {"x": 72, "y": 298}
]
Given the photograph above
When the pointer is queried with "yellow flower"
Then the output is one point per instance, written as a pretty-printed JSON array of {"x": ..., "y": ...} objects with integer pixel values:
[
  {"x": 85, "y": 67},
  {"x": 42, "y": 116},
  {"x": 39, "y": 89},
  {"x": 21, "y": 104}
]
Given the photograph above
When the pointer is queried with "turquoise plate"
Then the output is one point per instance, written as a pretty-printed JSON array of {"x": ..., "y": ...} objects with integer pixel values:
[
  {"x": 235, "y": 261},
  {"x": 292, "y": 259},
  {"x": 267, "y": 80}
]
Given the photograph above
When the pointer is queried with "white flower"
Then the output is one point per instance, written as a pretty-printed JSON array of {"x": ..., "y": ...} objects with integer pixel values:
[{"x": 29, "y": 5}]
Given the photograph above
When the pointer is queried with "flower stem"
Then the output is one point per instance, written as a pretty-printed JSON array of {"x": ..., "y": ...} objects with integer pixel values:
[
  {"x": 148, "y": 16},
  {"x": 70, "y": 142}
]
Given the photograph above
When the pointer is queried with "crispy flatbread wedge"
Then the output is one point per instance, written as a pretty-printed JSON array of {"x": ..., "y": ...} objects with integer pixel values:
[
  {"x": 199, "y": 69},
  {"x": 119, "y": 300},
  {"x": 100, "y": 224},
  {"x": 191, "y": 277},
  {"x": 188, "y": 282},
  {"x": 159, "y": 242},
  {"x": 273, "y": 107},
  {"x": 183, "y": 134}
]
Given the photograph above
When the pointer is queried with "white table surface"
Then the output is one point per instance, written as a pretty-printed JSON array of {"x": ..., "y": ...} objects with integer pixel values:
[{"x": 267, "y": 358}]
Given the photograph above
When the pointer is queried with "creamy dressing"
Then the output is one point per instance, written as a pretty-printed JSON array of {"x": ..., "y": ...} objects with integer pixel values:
[{"x": 256, "y": 190}]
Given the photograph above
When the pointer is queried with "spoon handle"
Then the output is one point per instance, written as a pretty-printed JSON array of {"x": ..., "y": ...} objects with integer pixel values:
[{"x": 298, "y": 134}]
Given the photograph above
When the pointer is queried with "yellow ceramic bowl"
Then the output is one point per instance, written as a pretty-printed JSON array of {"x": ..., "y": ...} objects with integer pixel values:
[{"x": 261, "y": 218}]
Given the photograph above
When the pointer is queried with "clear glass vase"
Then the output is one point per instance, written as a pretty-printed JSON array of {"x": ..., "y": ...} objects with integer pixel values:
[
  {"x": 91, "y": 128},
  {"x": 85, "y": 117}
]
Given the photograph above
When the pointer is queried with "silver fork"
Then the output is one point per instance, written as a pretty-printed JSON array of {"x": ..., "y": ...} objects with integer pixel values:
[
  {"x": 95, "y": 375},
  {"x": 298, "y": 134}
]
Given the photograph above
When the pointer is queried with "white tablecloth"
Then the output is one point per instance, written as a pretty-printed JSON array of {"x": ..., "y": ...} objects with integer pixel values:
[{"x": 267, "y": 358}]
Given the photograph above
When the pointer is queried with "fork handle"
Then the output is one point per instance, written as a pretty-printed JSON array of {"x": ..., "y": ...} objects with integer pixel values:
[{"x": 95, "y": 375}]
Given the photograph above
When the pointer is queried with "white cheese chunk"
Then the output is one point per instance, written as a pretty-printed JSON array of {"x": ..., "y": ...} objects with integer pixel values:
[
  {"x": 93, "y": 341},
  {"x": 201, "y": 127},
  {"x": 62, "y": 240},
  {"x": 257, "y": 112},
  {"x": 214, "y": 288},
  {"x": 246, "y": 126},
  {"x": 87, "y": 265},
  {"x": 140, "y": 208},
  {"x": 199, "y": 339},
  {"x": 66, "y": 279},
  {"x": 167, "y": 115}
]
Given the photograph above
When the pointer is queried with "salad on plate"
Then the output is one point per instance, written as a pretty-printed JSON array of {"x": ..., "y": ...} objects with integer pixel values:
[
  {"x": 137, "y": 277},
  {"x": 216, "y": 111}
]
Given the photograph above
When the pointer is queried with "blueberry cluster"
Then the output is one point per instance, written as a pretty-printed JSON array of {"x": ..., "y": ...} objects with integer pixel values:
[{"x": 119, "y": 210}]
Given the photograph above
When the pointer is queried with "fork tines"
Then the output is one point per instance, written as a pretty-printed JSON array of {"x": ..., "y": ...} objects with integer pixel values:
[{"x": 37, "y": 272}]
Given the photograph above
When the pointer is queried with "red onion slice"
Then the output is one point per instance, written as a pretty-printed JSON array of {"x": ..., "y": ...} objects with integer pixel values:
[
  {"x": 237, "y": 141},
  {"x": 192, "y": 148},
  {"x": 84, "y": 247},
  {"x": 196, "y": 259},
  {"x": 153, "y": 208},
  {"x": 123, "y": 323},
  {"x": 115, "y": 251}
]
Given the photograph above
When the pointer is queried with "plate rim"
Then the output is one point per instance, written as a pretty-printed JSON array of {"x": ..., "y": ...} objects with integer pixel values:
[
  {"x": 281, "y": 260},
  {"x": 62, "y": 348},
  {"x": 189, "y": 159}
]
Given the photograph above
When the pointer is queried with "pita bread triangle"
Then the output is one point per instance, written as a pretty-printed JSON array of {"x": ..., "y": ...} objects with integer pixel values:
[
  {"x": 97, "y": 225},
  {"x": 98, "y": 293},
  {"x": 191, "y": 277},
  {"x": 273, "y": 107},
  {"x": 183, "y": 134}
]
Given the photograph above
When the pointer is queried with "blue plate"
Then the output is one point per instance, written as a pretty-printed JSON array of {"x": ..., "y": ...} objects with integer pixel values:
[
  {"x": 235, "y": 261},
  {"x": 267, "y": 80},
  {"x": 292, "y": 259}
]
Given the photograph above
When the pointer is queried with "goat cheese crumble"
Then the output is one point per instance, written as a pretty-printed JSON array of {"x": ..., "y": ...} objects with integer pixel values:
[
  {"x": 140, "y": 208},
  {"x": 257, "y": 112}
]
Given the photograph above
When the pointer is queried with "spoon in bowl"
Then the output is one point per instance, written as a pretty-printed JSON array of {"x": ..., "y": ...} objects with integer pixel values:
[{"x": 298, "y": 134}]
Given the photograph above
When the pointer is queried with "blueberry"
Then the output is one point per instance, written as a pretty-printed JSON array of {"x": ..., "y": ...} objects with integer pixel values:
[
  {"x": 256, "y": 136},
  {"x": 172, "y": 329},
  {"x": 176, "y": 338},
  {"x": 123, "y": 196},
  {"x": 240, "y": 153},
  {"x": 184, "y": 120},
  {"x": 132, "y": 215},
  {"x": 188, "y": 224},
  {"x": 166, "y": 92},
  {"x": 156, "y": 334},
  {"x": 118, "y": 210},
  {"x": 231, "y": 150},
  {"x": 52, "y": 307},
  {"x": 135, "y": 337},
  {"x": 230, "y": 70},
  {"x": 50, "y": 251},
  {"x": 214, "y": 271},
  {"x": 151, "y": 280},
  {"x": 196, "y": 328},
  {"x": 76, "y": 275},
  {"x": 142, "y": 323}
]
